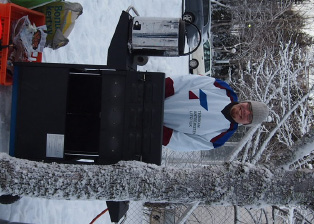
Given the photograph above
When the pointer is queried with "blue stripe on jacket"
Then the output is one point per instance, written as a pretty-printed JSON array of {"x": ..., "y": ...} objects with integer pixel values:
[
  {"x": 223, "y": 137},
  {"x": 230, "y": 93}
]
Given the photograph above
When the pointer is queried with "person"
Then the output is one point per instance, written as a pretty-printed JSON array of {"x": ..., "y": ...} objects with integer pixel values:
[{"x": 202, "y": 113}]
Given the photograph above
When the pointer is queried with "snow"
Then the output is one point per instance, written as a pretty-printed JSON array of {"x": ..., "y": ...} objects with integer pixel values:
[{"x": 89, "y": 42}]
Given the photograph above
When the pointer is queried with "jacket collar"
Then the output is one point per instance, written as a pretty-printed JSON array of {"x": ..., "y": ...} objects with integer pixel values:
[{"x": 226, "y": 112}]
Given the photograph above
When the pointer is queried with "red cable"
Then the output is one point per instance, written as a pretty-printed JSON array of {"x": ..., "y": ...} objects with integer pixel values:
[{"x": 103, "y": 212}]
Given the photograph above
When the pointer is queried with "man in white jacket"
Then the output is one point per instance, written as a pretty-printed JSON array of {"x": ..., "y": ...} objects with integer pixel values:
[{"x": 202, "y": 113}]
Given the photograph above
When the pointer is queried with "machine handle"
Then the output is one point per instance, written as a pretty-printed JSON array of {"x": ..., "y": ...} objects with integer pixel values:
[{"x": 134, "y": 10}]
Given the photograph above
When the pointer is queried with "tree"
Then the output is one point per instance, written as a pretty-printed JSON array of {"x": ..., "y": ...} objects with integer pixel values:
[
  {"x": 282, "y": 82},
  {"x": 226, "y": 184}
]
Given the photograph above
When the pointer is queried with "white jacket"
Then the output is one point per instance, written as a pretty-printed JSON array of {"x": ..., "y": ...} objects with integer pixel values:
[{"x": 193, "y": 113}]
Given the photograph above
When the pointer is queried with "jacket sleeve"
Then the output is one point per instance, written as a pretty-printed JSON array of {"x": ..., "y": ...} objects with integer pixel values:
[
  {"x": 188, "y": 81},
  {"x": 186, "y": 142}
]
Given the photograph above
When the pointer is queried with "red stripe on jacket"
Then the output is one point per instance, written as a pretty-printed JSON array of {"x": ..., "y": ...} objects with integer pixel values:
[{"x": 169, "y": 89}]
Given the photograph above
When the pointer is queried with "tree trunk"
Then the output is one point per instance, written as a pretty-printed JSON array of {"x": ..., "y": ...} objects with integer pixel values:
[{"x": 227, "y": 184}]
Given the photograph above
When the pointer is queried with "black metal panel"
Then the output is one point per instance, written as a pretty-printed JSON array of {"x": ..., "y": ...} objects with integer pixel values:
[
  {"x": 152, "y": 122},
  {"x": 41, "y": 109},
  {"x": 134, "y": 101},
  {"x": 119, "y": 56},
  {"x": 112, "y": 117},
  {"x": 117, "y": 209}
]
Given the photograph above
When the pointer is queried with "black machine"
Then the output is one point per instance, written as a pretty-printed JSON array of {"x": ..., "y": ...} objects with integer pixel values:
[
  {"x": 79, "y": 113},
  {"x": 96, "y": 114}
]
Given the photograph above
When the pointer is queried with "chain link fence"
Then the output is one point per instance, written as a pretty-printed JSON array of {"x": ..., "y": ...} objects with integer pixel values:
[{"x": 147, "y": 213}]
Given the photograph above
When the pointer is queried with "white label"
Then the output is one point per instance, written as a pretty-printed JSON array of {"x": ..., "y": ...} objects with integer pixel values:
[{"x": 55, "y": 145}]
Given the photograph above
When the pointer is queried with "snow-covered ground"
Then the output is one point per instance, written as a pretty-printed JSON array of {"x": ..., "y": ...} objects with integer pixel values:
[{"x": 89, "y": 42}]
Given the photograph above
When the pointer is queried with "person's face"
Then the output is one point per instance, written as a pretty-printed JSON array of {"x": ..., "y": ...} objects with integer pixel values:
[{"x": 242, "y": 113}]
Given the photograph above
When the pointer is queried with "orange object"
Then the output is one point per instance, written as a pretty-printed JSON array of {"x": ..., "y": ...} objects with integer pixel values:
[{"x": 8, "y": 13}]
